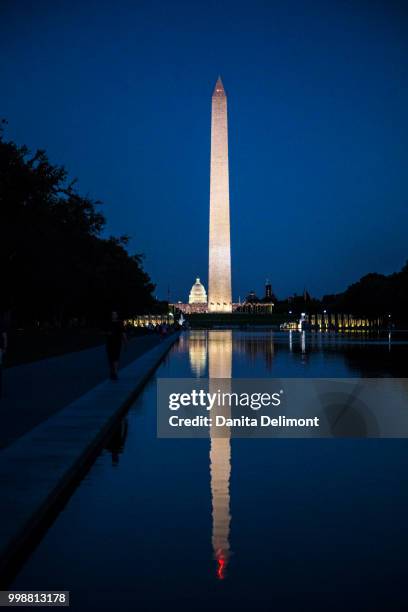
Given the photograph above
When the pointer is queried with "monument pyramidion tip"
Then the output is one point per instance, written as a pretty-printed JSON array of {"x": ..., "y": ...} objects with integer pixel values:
[{"x": 219, "y": 88}]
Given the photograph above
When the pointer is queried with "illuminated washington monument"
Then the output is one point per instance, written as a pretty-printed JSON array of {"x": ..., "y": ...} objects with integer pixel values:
[{"x": 219, "y": 267}]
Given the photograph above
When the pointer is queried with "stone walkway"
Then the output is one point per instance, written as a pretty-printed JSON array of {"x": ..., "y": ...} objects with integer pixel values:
[
  {"x": 33, "y": 392},
  {"x": 40, "y": 467}
]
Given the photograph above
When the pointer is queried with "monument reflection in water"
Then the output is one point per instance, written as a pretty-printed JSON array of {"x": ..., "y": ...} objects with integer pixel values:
[
  {"x": 218, "y": 347},
  {"x": 197, "y": 351}
]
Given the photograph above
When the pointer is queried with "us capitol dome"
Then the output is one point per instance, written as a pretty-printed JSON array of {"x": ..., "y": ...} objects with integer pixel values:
[{"x": 197, "y": 293}]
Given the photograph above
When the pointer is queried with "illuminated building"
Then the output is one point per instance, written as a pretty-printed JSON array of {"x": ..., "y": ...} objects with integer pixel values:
[
  {"x": 197, "y": 300},
  {"x": 253, "y": 305},
  {"x": 268, "y": 291},
  {"x": 197, "y": 293}
]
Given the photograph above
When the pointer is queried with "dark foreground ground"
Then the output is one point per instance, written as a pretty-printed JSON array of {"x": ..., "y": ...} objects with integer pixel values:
[
  {"x": 30, "y": 345},
  {"x": 34, "y": 391}
]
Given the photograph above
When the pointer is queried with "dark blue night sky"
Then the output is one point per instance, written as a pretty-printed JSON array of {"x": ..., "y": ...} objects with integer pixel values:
[{"x": 120, "y": 92}]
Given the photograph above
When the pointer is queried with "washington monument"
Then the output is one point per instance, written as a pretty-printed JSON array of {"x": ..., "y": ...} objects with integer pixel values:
[{"x": 219, "y": 268}]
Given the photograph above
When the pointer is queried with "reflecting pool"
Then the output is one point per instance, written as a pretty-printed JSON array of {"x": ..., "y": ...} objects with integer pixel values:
[{"x": 233, "y": 524}]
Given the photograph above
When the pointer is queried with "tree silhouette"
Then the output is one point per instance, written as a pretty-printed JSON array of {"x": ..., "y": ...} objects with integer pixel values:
[{"x": 55, "y": 265}]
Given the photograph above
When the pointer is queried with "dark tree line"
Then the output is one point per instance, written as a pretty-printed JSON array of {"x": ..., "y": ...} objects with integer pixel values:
[
  {"x": 55, "y": 266},
  {"x": 374, "y": 295}
]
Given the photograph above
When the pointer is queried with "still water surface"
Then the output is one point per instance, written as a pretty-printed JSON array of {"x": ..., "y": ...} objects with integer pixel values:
[{"x": 221, "y": 524}]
